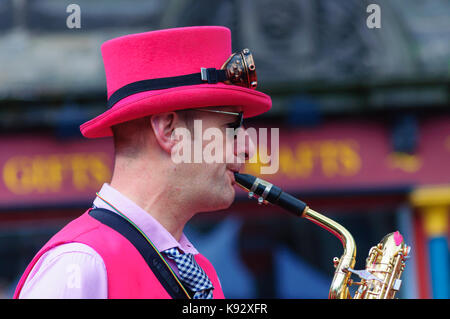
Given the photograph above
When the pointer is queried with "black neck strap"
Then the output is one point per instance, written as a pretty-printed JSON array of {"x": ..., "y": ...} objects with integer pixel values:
[
  {"x": 153, "y": 259},
  {"x": 207, "y": 75}
]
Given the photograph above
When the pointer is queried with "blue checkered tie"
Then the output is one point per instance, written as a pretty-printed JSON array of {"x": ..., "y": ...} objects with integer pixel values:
[{"x": 191, "y": 274}]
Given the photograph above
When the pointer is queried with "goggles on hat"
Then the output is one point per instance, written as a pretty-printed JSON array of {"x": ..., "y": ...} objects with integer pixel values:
[{"x": 239, "y": 69}]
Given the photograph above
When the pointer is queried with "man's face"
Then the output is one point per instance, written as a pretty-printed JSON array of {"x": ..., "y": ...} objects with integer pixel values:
[{"x": 215, "y": 156}]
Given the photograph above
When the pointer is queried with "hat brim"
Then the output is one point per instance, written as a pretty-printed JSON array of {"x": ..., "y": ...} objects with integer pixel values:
[{"x": 180, "y": 98}]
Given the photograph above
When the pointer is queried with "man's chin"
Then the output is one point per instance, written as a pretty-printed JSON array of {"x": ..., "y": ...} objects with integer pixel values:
[
  {"x": 223, "y": 201},
  {"x": 227, "y": 201}
]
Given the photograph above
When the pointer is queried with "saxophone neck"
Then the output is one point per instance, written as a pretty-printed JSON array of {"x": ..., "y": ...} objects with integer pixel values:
[{"x": 339, "y": 288}]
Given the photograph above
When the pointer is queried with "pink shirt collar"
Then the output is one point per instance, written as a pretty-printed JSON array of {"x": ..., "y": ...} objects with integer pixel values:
[{"x": 158, "y": 235}]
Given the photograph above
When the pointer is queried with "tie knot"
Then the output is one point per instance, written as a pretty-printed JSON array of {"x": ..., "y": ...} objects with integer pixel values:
[{"x": 173, "y": 253}]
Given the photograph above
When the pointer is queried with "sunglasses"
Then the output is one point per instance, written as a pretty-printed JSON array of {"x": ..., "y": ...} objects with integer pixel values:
[{"x": 236, "y": 124}]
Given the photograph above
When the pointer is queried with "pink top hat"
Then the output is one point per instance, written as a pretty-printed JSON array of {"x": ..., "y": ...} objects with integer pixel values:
[{"x": 168, "y": 54}]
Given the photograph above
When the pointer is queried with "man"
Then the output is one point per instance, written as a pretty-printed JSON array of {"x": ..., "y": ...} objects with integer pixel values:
[{"x": 157, "y": 82}]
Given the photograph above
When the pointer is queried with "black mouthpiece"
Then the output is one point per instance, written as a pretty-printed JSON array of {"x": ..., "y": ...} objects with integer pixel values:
[
  {"x": 270, "y": 193},
  {"x": 244, "y": 180}
]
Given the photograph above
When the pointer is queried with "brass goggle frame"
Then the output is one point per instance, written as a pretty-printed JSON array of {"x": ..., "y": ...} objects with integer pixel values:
[{"x": 239, "y": 69}]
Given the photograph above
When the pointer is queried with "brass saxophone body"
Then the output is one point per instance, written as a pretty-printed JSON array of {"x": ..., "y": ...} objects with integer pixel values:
[{"x": 384, "y": 265}]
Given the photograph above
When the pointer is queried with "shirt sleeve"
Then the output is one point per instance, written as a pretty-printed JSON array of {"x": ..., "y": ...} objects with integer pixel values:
[{"x": 69, "y": 271}]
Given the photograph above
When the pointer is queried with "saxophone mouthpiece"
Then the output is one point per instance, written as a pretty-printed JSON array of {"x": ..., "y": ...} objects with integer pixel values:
[
  {"x": 266, "y": 192},
  {"x": 244, "y": 180}
]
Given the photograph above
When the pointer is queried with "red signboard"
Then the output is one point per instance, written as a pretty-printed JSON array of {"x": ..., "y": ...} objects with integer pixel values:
[
  {"x": 40, "y": 170},
  {"x": 43, "y": 170},
  {"x": 354, "y": 155}
]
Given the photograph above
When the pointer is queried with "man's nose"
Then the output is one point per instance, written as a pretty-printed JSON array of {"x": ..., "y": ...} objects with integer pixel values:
[{"x": 245, "y": 147}]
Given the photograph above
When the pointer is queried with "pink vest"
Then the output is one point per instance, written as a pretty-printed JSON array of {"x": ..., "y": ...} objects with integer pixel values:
[{"x": 129, "y": 276}]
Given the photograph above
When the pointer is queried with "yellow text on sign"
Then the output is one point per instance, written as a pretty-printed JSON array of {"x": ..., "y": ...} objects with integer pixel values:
[
  {"x": 330, "y": 158},
  {"x": 48, "y": 173}
]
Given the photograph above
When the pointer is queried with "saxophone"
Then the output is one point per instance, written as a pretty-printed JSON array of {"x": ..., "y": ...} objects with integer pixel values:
[{"x": 384, "y": 265}]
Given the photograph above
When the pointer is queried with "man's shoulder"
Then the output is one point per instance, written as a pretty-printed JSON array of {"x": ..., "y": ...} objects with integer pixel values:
[
  {"x": 68, "y": 254},
  {"x": 69, "y": 269},
  {"x": 76, "y": 228},
  {"x": 70, "y": 248}
]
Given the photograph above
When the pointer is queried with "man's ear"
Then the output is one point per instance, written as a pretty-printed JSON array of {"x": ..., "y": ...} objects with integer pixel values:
[{"x": 163, "y": 126}]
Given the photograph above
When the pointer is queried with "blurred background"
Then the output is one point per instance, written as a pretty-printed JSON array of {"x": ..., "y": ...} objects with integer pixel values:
[{"x": 364, "y": 124}]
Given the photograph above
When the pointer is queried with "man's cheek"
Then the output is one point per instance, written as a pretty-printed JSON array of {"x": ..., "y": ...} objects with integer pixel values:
[{"x": 214, "y": 149}]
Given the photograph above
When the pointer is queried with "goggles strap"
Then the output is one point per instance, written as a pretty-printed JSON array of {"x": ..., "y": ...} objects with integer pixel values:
[{"x": 207, "y": 75}]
